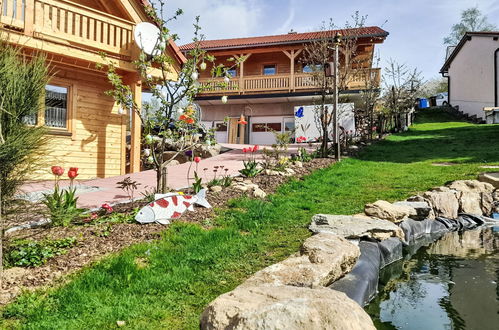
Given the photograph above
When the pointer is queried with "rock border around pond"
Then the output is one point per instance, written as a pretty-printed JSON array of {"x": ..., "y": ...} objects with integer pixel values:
[{"x": 340, "y": 263}]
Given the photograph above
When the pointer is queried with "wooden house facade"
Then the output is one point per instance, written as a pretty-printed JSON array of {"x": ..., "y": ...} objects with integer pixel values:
[
  {"x": 273, "y": 80},
  {"x": 87, "y": 128}
]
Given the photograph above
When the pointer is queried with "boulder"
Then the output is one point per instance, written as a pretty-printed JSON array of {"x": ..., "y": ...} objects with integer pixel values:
[
  {"x": 472, "y": 185},
  {"x": 324, "y": 258},
  {"x": 388, "y": 211},
  {"x": 423, "y": 209},
  {"x": 205, "y": 151},
  {"x": 470, "y": 202},
  {"x": 291, "y": 308},
  {"x": 444, "y": 202},
  {"x": 181, "y": 158},
  {"x": 259, "y": 193},
  {"x": 355, "y": 226},
  {"x": 492, "y": 178},
  {"x": 216, "y": 188}
]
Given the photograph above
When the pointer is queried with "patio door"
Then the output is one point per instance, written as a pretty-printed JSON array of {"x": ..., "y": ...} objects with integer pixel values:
[{"x": 233, "y": 131}]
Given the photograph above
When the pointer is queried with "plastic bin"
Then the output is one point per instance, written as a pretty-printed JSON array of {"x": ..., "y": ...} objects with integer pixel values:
[{"x": 423, "y": 103}]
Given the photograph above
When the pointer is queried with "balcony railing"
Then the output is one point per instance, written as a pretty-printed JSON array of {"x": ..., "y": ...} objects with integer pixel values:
[
  {"x": 68, "y": 23},
  {"x": 285, "y": 83}
]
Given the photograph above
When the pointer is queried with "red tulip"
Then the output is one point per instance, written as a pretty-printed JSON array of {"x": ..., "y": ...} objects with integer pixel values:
[
  {"x": 57, "y": 170},
  {"x": 255, "y": 148},
  {"x": 245, "y": 150},
  {"x": 107, "y": 207},
  {"x": 197, "y": 160},
  {"x": 72, "y": 174}
]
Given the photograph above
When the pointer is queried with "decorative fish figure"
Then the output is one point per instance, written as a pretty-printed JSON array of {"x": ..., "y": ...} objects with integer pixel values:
[
  {"x": 299, "y": 113},
  {"x": 170, "y": 206}
]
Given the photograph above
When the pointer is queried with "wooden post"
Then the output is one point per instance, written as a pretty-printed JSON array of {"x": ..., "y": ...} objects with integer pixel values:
[
  {"x": 241, "y": 77},
  {"x": 136, "y": 129},
  {"x": 29, "y": 17},
  {"x": 292, "y": 82}
]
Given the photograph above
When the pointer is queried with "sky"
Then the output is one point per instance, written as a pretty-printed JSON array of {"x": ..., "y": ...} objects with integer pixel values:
[{"x": 416, "y": 28}]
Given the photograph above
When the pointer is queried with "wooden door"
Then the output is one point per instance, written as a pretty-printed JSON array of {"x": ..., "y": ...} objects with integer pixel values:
[{"x": 233, "y": 130}]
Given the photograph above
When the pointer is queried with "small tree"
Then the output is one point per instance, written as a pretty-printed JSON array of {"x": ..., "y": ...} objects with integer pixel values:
[
  {"x": 472, "y": 20},
  {"x": 318, "y": 55},
  {"x": 22, "y": 90},
  {"x": 370, "y": 96},
  {"x": 402, "y": 86},
  {"x": 174, "y": 124}
]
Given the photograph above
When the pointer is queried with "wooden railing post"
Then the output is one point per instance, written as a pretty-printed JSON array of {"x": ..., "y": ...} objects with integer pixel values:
[{"x": 29, "y": 17}]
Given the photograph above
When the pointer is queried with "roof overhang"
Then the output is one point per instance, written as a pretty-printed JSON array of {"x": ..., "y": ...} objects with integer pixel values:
[{"x": 467, "y": 37}]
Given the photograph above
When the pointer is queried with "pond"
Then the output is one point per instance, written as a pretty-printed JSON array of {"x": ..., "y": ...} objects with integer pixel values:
[{"x": 450, "y": 284}]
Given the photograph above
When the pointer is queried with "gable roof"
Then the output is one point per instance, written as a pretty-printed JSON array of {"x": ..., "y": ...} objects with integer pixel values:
[
  {"x": 290, "y": 38},
  {"x": 467, "y": 37}
]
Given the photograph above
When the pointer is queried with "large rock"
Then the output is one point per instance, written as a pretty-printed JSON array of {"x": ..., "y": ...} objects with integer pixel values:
[
  {"x": 475, "y": 196},
  {"x": 324, "y": 258},
  {"x": 290, "y": 308},
  {"x": 470, "y": 202},
  {"x": 472, "y": 185},
  {"x": 492, "y": 178},
  {"x": 388, "y": 211},
  {"x": 444, "y": 202},
  {"x": 355, "y": 226},
  {"x": 205, "y": 151},
  {"x": 423, "y": 209}
]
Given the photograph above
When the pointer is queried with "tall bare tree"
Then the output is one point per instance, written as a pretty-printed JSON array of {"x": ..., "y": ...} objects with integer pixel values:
[{"x": 319, "y": 57}]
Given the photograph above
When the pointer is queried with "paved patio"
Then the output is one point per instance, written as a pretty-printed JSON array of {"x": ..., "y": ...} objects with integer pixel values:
[{"x": 93, "y": 193}]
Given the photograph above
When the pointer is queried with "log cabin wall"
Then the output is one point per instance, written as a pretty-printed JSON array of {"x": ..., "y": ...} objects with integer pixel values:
[{"x": 96, "y": 133}]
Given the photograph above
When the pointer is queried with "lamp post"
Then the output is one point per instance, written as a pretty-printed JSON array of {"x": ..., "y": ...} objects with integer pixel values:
[{"x": 337, "y": 151}]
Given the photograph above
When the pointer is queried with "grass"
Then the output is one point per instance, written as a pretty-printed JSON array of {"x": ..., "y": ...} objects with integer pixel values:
[{"x": 167, "y": 284}]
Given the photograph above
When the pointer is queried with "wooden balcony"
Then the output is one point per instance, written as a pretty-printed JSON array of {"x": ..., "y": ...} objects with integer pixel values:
[
  {"x": 68, "y": 23},
  {"x": 281, "y": 83}
]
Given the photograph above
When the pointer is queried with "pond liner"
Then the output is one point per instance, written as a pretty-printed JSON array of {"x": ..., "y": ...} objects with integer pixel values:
[{"x": 361, "y": 284}]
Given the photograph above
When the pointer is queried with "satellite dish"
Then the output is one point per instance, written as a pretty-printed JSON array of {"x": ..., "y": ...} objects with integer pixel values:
[{"x": 147, "y": 38}]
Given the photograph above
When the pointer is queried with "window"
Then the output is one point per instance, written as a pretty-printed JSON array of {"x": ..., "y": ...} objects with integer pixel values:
[
  {"x": 309, "y": 68},
  {"x": 56, "y": 106},
  {"x": 266, "y": 127},
  {"x": 221, "y": 127},
  {"x": 232, "y": 73},
  {"x": 269, "y": 70}
]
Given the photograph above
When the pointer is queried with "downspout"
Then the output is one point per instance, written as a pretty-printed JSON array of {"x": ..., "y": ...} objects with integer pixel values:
[{"x": 496, "y": 65}]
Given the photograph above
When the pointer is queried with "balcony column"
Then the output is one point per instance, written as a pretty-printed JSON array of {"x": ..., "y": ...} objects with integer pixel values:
[
  {"x": 241, "y": 72},
  {"x": 29, "y": 18},
  {"x": 293, "y": 54}
]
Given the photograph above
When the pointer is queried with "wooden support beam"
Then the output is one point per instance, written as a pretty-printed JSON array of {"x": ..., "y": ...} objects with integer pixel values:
[
  {"x": 29, "y": 17},
  {"x": 136, "y": 129}
]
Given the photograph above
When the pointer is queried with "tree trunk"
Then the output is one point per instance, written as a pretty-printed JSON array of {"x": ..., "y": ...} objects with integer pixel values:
[{"x": 162, "y": 180}]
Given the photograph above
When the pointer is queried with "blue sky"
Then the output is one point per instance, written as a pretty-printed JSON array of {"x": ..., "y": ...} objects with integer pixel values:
[{"x": 416, "y": 28}]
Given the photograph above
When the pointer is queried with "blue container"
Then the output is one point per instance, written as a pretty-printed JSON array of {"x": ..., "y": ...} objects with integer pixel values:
[{"x": 423, "y": 103}]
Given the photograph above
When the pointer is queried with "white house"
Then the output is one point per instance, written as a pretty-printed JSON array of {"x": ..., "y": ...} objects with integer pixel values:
[{"x": 472, "y": 69}]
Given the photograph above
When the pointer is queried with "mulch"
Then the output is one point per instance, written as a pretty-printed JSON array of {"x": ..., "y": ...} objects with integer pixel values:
[{"x": 94, "y": 241}]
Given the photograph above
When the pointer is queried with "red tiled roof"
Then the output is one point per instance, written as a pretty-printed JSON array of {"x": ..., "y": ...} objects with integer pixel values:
[{"x": 372, "y": 31}]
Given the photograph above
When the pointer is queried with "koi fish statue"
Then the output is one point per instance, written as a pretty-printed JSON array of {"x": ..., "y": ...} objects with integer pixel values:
[{"x": 170, "y": 206}]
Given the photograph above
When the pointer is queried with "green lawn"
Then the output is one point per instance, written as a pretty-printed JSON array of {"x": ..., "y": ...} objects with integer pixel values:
[{"x": 190, "y": 266}]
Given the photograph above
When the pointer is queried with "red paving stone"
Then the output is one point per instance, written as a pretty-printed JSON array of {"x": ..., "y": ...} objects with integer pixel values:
[{"x": 107, "y": 192}]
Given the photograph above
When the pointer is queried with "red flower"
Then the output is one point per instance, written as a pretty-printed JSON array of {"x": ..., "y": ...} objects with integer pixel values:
[
  {"x": 73, "y": 173},
  {"x": 301, "y": 139},
  {"x": 245, "y": 150},
  {"x": 57, "y": 170},
  {"x": 183, "y": 117},
  {"x": 374, "y": 128},
  {"x": 107, "y": 207},
  {"x": 197, "y": 160},
  {"x": 189, "y": 121},
  {"x": 255, "y": 148}
]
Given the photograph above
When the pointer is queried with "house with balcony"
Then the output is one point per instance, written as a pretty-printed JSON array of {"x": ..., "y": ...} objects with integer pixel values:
[
  {"x": 87, "y": 128},
  {"x": 273, "y": 80}
]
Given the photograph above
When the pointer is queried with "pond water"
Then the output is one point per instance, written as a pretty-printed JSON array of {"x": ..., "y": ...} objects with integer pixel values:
[{"x": 451, "y": 284}]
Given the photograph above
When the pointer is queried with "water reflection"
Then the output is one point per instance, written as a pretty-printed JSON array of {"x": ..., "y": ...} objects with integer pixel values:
[{"x": 452, "y": 284}]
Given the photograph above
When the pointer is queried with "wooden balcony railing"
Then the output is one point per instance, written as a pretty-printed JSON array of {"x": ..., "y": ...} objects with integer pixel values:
[
  {"x": 284, "y": 83},
  {"x": 68, "y": 23}
]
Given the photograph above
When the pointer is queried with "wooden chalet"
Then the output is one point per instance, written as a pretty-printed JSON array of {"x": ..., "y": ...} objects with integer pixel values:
[
  {"x": 273, "y": 80},
  {"x": 87, "y": 127}
]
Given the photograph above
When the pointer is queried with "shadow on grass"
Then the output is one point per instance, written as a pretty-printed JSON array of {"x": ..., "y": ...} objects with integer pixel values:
[{"x": 427, "y": 141}]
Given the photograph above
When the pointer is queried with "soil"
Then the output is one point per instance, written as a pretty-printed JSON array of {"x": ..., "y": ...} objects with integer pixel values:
[{"x": 95, "y": 241}]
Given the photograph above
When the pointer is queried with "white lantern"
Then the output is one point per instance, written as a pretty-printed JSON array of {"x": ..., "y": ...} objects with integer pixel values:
[
  {"x": 225, "y": 99},
  {"x": 195, "y": 75},
  {"x": 147, "y": 152},
  {"x": 202, "y": 66},
  {"x": 227, "y": 79}
]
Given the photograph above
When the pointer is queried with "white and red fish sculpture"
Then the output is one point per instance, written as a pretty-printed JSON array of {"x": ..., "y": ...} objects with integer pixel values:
[{"x": 170, "y": 206}]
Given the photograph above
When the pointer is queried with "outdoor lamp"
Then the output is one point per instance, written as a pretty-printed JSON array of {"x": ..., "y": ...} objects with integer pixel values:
[{"x": 242, "y": 119}]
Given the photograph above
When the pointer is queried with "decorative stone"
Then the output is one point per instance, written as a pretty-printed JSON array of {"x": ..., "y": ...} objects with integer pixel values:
[
  {"x": 241, "y": 188},
  {"x": 388, "y": 211},
  {"x": 120, "y": 323},
  {"x": 259, "y": 193},
  {"x": 470, "y": 202},
  {"x": 298, "y": 164},
  {"x": 216, "y": 188},
  {"x": 252, "y": 186},
  {"x": 423, "y": 209},
  {"x": 444, "y": 202},
  {"x": 324, "y": 258},
  {"x": 492, "y": 178},
  {"x": 238, "y": 179},
  {"x": 355, "y": 227},
  {"x": 290, "y": 308},
  {"x": 272, "y": 172},
  {"x": 289, "y": 171},
  {"x": 472, "y": 185},
  {"x": 247, "y": 181}
]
